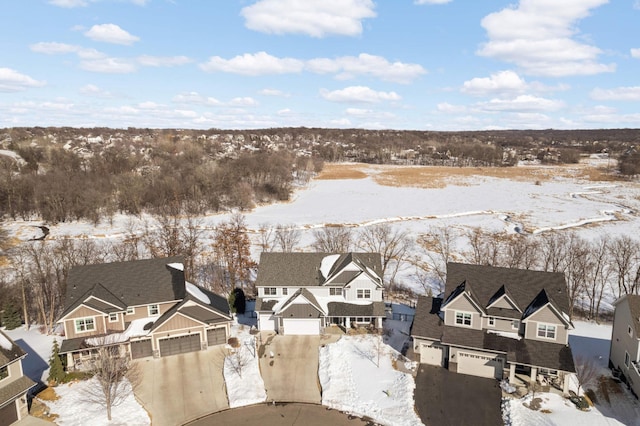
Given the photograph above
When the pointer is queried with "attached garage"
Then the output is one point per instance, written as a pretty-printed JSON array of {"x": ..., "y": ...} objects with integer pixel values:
[
  {"x": 8, "y": 414},
  {"x": 216, "y": 336},
  {"x": 180, "y": 344},
  {"x": 481, "y": 365},
  {"x": 141, "y": 349},
  {"x": 305, "y": 326},
  {"x": 432, "y": 354},
  {"x": 266, "y": 322}
]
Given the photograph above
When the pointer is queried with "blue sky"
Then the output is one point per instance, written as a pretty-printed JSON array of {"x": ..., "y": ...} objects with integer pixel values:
[{"x": 392, "y": 64}]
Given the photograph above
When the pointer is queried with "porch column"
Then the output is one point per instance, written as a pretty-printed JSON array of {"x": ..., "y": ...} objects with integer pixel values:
[
  {"x": 534, "y": 374},
  {"x": 565, "y": 383},
  {"x": 379, "y": 322},
  {"x": 512, "y": 373},
  {"x": 70, "y": 364},
  {"x": 347, "y": 322}
]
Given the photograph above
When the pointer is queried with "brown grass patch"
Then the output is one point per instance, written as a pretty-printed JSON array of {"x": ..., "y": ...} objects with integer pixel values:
[
  {"x": 440, "y": 177},
  {"x": 49, "y": 394},
  {"x": 40, "y": 410}
]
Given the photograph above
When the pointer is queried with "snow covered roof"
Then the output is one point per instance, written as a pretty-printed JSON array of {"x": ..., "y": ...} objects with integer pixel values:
[{"x": 9, "y": 351}]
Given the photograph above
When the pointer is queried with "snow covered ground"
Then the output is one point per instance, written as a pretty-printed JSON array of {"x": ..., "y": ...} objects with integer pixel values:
[
  {"x": 242, "y": 371},
  {"x": 38, "y": 347},
  {"x": 588, "y": 340},
  {"x": 357, "y": 376}
]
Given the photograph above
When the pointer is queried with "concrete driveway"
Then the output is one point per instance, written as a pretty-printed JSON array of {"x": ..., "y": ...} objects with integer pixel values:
[
  {"x": 446, "y": 398},
  {"x": 180, "y": 388},
  {"x": 291, "y": 375}
]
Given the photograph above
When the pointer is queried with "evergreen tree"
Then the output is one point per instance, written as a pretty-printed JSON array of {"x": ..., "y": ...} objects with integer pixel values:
[
  {"x": 56, "y": 369},
  {"x": 11, "y": 316},
  {"x": 239, "y": 300},
  {"x": 232, "y": 301}
]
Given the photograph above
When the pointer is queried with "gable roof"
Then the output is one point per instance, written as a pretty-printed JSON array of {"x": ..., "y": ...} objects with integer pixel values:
[
  {"x": 9, "y": 350},
  {"x": 540, "y": 301},
  {"x": 137, "y": 282},
  {"x": 302, "y": 292},
  {"x": 523, "y": 285},
  {"x": 303, "y": 269},
  {"x": 464, "y": 289}
]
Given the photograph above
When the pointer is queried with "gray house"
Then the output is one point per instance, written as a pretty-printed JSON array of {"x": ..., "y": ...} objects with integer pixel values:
[
  {"x": 301, "y": 293},
  {"x": 145, "y": 307},
  {"x": 497, "y": 322},
  {"x": 624, "y": 355},
  {"x": 13, "y": 383}
]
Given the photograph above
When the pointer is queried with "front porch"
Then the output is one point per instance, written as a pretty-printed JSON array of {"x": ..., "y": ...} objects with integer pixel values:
[{"x": 525, "y": 377}]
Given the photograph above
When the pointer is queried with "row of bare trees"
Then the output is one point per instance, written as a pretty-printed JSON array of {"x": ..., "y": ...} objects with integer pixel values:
[{"x": 592, "y": 268}]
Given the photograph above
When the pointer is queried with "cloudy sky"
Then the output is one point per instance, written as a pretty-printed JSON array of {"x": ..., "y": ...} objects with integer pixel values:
[{"x": 399, "y": 64}]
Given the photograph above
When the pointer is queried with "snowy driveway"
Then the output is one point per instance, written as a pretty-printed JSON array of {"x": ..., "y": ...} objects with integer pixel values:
[
  {"x": 292, "y": 374},
  {"x": 180, "y": 388}
]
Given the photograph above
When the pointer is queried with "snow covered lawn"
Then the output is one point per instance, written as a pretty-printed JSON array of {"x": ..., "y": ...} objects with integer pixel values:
[
  {"x": 74, "y": 408},
  {"x": 242, "y": 372},
  {"x": 354, "y": 379}
]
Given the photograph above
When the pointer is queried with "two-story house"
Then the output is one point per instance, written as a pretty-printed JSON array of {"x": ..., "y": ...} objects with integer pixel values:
[
  {"x": 13, "y": 383},
  {"x": 301, "y": 293},
  {"x": 624, "y": 354},
  {"x": 146, "y": 307},
  {"x": 495, "y": 322}
]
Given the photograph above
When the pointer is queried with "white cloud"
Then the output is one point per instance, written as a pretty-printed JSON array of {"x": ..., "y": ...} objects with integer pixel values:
[
  {"x": 360, "y": 94},
  {"x": 111, "y": 33},
  {"x": 500, "y": 82},
  {"x": 243, "y": 101},
  {"x": 358, "y": 111},
  {"x": 274, "y": 92},
  {"x": 260, "y": 63},
  {"x": 364, "y": 64},
  {"x": 53, "y": 48},
  {"x": 451, "y": 109},
  {"x": 341, "y": 122},
  {"x": 284, "y": 111},
  {"x": 163, "y": 61},
  {"x": 537, "y": 36},
  {"x": 522, "y": 103},
  {"x": 432, "y": 1},
  {"x": 617, "y": 94},
  {"x": 109, "y": 66},
  {"x": 94, "y": 91},
  {"x": 13, "y": 81},
  {"x": 635, "y": 53},
  {"x": 195, "y": 98},
  {"x": 316, "y": 18}
]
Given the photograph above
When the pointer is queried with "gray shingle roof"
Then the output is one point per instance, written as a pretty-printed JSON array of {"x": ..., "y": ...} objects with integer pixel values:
[
  {"x": 265, "y": 305},
  {"x": 10, "y": 355},
  {"x": 303, "y": 269},
  {"x": 523, "y": 285},
  {"x": 427, "y": 322},
  {"x": 341, "y": 309},
  {"x": 13, "y": 390},
  {"x": 137, "y": 282}
]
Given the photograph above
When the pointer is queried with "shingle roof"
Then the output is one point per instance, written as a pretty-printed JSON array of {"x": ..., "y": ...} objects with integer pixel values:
[
  {"x": 341, "y": 309},
  {"x": 198, "y": 312},
  {"x": 137, "y": 282},
  {"x": 303, "y": 269},
  {"x": 523, "y": 285},
  {"x": 11, "y": 391},
  {"x": 265, "y": 305},
  {"x": 427, "y": 322},
  {"x": 9, "y": 355}
]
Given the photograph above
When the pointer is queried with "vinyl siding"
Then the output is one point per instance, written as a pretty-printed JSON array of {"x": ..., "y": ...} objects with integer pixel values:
[
  {"x": 502, "y": 303},
  {"x": 500, "y": 325},
  {"x": 462, "y": 304},
  {"x": 620, "y": 339},
  {"x": 143, "y": 312},
  {"x": 178, "y": 322},
  {"x": 84, "y": 312},
  {"x": 362, "y": 282},
  {"x": 546, "y": 316}
]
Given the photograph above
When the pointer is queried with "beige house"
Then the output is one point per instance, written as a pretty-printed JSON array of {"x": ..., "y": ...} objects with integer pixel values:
[
  {"x": 302, "y": 293},
  {"x": 146, "y": 307},
  {"x": 498, "y": 323},
  {"x": 13, "y": 383},
  {"x": 624, "y": 355}
]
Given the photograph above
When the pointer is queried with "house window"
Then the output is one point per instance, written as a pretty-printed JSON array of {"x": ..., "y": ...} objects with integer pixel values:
[
  {"x": 492, "y": 321},
  {"x": 547, "y": 331},
  {"x": 270, "y": 291},
  {"x": 285, "y": 291},
  {"x": 154, "y": 310},
  {"x": 630, "y": 331},
  {"x": 335, "y": 291},
  {"x": 364, "y": 293},
  {"x": 515, "y": 324},
  {"x": 113, "y": 317},
  {"x": 4, "y": 372},
  {"x": 85, "y": 324},
  {"x": 131, "y": 311},
  {"x": 627, "y": 359},
  {"x": 463, "y": 318}
]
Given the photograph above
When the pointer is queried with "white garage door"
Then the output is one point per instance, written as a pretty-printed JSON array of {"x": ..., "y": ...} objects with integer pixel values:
[
  {"x": 480, "y": 365},
  {"x": 431, "y": 354},
  {"x": 302, "y": 326},
  {"x": 266, "y": 322}
]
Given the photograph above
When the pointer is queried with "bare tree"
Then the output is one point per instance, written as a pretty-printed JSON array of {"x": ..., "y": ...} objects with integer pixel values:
[
  {"x": 287, "y": 237},
  {"x": 587, "y": 371},
  {"x": 232, "y": 247},
  {"x": 597, "y": 279},
  {"x": 116, "y": 376},
  {"x": 392, "y": 243},
  {"x": 332, "y": 239},
  {"x": 625, "y": 257},
  {"x": 238, "y": 359},
  {"x": 173, "y": 236},
  {"x": 267, "y": 237},
  {"x": 439, "y": 248}
]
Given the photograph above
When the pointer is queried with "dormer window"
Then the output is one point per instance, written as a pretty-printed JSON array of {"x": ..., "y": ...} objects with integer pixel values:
[
  {"x": 335, "y": 291},
  {"x": 363, "y": 293},
  {"x": 270, "y": 291},
  {"x": 547, "y": 331},
  {"x": 463, "y": 318},
  {"x": 85, "y": 324}
]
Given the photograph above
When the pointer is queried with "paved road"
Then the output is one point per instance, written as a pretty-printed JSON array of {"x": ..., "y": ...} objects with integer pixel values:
[
  {"x": 281, "y": 414},
  {"x": 180, "y": 388},
  {"x": 446, "y": 398}
]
